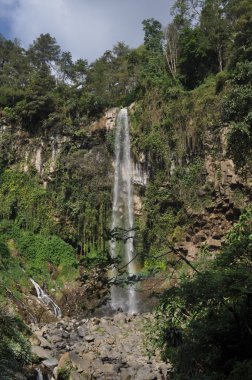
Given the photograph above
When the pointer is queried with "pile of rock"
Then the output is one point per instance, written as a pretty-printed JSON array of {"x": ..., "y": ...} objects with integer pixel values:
[{"x": 97, "y": 348}]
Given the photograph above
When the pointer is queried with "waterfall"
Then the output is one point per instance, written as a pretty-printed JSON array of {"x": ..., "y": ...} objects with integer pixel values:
[
  {"x": 39, "y": 375},
  {"x": 122, "y": 213},
  {"x": 45, "y": 299}
]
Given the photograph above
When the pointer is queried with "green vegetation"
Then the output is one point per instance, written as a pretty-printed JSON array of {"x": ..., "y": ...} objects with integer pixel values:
[
  {"x": 14, "y": 346},
  {"x": 189, "y": 83},
  {"x": 204, "y": 325}
]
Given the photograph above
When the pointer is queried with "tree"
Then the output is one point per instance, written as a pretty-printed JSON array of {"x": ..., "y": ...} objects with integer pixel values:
[
  {"x": 171, "y": 48},
  {"x": 196, "y": 57},
  {"x": 80, "y": 69},
  {"x": 240, "y": 15},
  {"x": 65, "y": 64},
  {"x": 237, "y": 112},
  {"x": 186, "y": 12},
  {"x": 153, "y": 35},
  {"x": 14, "y": 71},
  {"x": 44, "y": 51},
  {"x": 215, "y": 25}
]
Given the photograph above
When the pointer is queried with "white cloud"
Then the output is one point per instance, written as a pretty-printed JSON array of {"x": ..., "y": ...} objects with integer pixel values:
[{"x": 86, "y": 28}]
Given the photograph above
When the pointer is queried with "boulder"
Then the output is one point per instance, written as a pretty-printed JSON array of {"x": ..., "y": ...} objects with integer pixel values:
[
  {"x": 41, "y": 352},
  {"x": 65, "y": 334},
  {"x": 34, "y": 340},
  {"x": 80, "y": 332},
  {"x": 50, "y": 363},
  {"x": 78, "y": 363},
  {"x": 44, "y": 343},
  {"x": 55, "y": 339},
  {"x": 89, "y": 338}
]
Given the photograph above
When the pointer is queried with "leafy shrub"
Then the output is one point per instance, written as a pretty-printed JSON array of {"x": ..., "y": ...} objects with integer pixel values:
[
  {"x": 14, "y": 346},
  {"x": 39, "y": 250}
]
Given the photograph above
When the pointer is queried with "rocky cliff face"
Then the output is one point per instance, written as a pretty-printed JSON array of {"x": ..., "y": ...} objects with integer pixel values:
[
  {"x": 86, "y": 154},
  {"x": 227, "y": 192}
]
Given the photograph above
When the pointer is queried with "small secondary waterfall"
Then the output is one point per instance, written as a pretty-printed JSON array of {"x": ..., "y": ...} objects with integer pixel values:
[
  {"x": 46, "y": 299},
  {"x": 39, "y": 374},
  {"x": 122, "y": 213}
]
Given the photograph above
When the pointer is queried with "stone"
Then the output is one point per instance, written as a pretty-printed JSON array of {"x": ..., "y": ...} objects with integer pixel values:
[
  {"x": 199, "y": 238},
  {"x": 64, "y": 360},
  {"x": 19, "y": 376},
  {"x": 50, "y": 363},
  {"x": 61, "y": 345},
  {"x": 110, "y": 340},
  {"x": 42, "y": 331},
  {"x": 44, "y": 343},
  {"x": 55, "y": 339},
  {"x": 80, "y": 332},
  {"x": 126, "y": 374},
  {"x": 41, "y": 352},
  {"x": 81, "y": 348},
  {"x": 99, "y": 341},
  {"x": 213, "y": 243},
  {"x": 144, "y": 373},
  {"x": 65, "y": 334},
  {"x": 89, "y": 338},
  {"x": 79, "y": 363},
  {"x": 119, "y": 317},
  {"x": 34, "y": 340},
  {"x": 74, "y": 375}
]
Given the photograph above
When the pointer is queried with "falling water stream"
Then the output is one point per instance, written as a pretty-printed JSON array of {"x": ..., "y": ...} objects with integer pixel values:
[
  {"x": 45, "y": 299},
  {"x": 122, "y": 215}
]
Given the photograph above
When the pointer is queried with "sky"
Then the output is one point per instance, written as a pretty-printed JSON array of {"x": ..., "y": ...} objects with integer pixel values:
[{"x": 86, "y": 28}]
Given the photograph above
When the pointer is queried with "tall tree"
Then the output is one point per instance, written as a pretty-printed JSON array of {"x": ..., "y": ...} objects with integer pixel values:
[
  {"x": 44, "y": 51},
  {"x": 65, "y": 65},
  {"x": 153, "y": 34},
  {"x": 171, "y": 47},
  {"x": 80, "y": 69},
  {"x": 186, "y": 12},
  {"x": 215, "y": 25}
]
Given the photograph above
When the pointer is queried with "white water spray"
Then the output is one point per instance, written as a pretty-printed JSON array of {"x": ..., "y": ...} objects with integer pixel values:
[
  {"x": 45, "y": 299},
  {"x": 122, "y": 212}
]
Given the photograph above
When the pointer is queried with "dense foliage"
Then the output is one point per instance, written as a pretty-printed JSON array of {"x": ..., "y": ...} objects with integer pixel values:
[
  {"x": 14, "y": 346},
  {"x": 204, "y": 325}
]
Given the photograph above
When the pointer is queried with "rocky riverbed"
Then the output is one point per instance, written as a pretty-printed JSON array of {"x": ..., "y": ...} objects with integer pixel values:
[{"x": 97, "y": 348}]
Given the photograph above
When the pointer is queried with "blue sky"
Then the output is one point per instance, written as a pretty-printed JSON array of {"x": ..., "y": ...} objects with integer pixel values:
[{"x": 86, "y": 28}]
